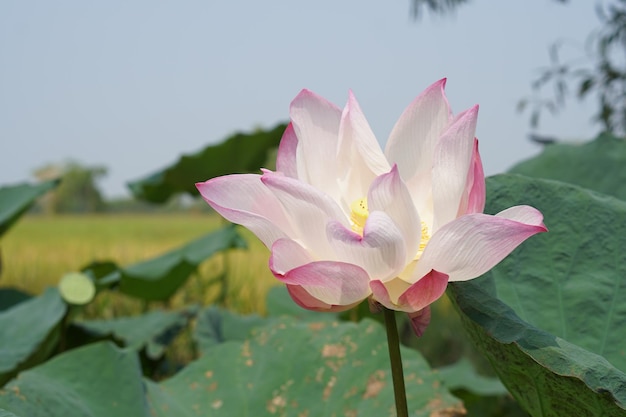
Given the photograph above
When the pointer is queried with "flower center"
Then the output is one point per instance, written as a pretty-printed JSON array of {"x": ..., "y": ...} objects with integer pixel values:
[{"x": 358, "y": 214}]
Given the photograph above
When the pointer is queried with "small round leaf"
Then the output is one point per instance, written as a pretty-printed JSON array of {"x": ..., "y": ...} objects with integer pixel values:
[{"x": 77, "y": 288}]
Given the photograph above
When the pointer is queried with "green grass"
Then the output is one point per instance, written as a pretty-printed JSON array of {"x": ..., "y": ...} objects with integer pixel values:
[{"x": 39, "y": 250}]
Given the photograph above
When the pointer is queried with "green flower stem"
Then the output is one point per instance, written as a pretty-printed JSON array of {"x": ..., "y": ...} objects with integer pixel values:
[{"x": 397, "y": 374}]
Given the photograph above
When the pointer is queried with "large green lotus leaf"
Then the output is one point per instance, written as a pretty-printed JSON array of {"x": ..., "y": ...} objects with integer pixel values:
[
  {"x": 97, "y": 380},
  {"x": 551, "y": 317},
  {"x": 160, "y": 277},
  {"x": 5, "y": 413},
  {"x": 16, "y": 199},
  {"x": 239, "y": 153},
  {"x": 296, "y": 368},
  {"x": 599, "y": 165},
  {"x": 29, "y": 331},
  {"x": 153, "y": 331}
]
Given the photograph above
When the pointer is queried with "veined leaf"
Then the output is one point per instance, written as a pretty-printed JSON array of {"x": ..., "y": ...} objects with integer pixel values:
[
  {"x": 599, "y": 165},
  {"x": 550, "y": 317}
]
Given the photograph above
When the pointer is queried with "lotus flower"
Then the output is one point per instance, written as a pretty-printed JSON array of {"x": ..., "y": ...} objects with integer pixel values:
[{"x": 346, "y": 222}]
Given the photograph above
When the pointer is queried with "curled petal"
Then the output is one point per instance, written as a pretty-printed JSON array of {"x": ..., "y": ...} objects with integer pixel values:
[
  {"x": 411, "y": 143},
  {"x": 451, "y": 164},
  {"x": 380, "y": 251},
  {"x": 330, "y": 283},
  {"x": 390, "y": 195},
  {"x": 308, "y": 209},
  {"x": 473, "y": 200},
  {"x": 243, "y": 199},
  {"x": 315, "y": 122},
  {"x": 399, "y": 295},
  {"x": 286, "y": 157},
  {"x": 473, "y": 244}
]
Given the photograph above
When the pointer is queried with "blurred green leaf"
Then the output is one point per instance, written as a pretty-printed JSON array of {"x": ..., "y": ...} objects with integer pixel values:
[
  {"x": 462, "y": 375},
  {"x": 99, "y": 269},
  {"x": 215, "y": 326},
  {"x": 294, "y": 368},
  {"x": 550, "y": 317},
  {"x": 4, "y": 413},
  {"x": 239, "y": 153},
  {"x": 98, "y": 380},
  {"x": 599, "y": 165},
  {"x": 29, "y": 331},
  {"x": 160, "y": 277},
  {"x": 15, "y": 200},
  {"x": 153, "y": 331},
  {"x": 10, "y": 297}
]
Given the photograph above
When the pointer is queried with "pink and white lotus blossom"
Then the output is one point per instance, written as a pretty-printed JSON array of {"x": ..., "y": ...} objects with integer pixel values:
[{"x": 346, "y": 221}]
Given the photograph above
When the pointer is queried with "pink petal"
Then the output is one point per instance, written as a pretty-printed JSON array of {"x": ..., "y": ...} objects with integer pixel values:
[
  {"x": 475, "y": 190},
  {"x": 381, "y": 251},
  {"x": 473, "y": 244},
  {"x": 389, "y": 194},
  {"x": 451, "y": 164},
  {"x": 309, "y": 211},
  {"x": 305, "y": 300},
  {"x": 420, "y": 321},
  {"x": 411, "y": 143},
  {"x": 316, "y": 124},
  {"x": 286, "y": 158},
  {"x": 402, "y": 296},
  {"x": 287, "y": 254},
  {"x": 243, "y": 199},
  {"x": 360, "y": 158},
  {"x": 331, "y": 283}
]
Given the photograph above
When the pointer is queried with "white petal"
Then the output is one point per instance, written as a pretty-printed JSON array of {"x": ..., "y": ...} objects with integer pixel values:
[
  {"x": 360, "y": 158},
  {"x": 243, "y": 199},
  {"x": 309, "y": 211},
  {"x": 316, "y": 124},
  {"x": 411, "y": 143},
  {"x": 473, "y": 244},
  {"x": 451, "y": 165},
  {"x": 389, "y": 194},
  {"x": 380, "y": 251}
]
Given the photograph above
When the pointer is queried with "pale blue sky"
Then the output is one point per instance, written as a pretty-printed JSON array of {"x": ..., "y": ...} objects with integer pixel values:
[{"x": 132, "y": 85}]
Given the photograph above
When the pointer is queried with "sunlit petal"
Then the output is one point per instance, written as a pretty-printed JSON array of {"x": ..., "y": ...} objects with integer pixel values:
[
  {"x": 473, "y": 244},
  {"x": 243, "y": 199}
]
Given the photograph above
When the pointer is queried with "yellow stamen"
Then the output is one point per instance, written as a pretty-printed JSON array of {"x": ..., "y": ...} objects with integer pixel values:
[
  {"x": 359, "y": 214},
  {"x": 424, "y": 241}
]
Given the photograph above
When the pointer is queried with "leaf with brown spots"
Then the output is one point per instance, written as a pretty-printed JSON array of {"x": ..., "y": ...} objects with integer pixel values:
[{"x": 339, "y": 369}]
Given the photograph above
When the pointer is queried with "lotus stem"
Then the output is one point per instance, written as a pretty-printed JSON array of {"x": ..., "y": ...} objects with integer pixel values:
[{"x": 397, "y": 373}]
